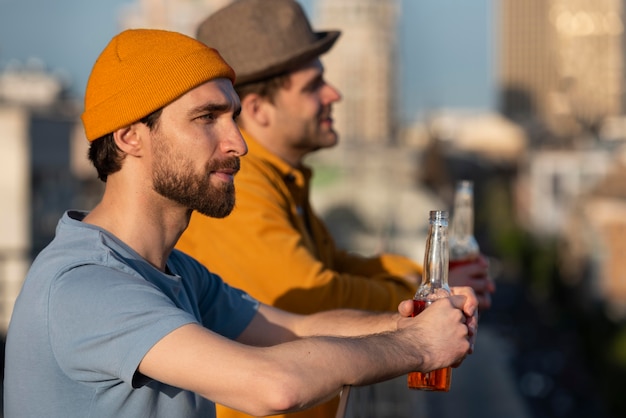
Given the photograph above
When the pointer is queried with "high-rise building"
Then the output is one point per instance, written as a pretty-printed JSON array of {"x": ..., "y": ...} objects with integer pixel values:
[
  {"x": 363, "y": 65},
  {"x": 526, "y": 65},
  {"x": 561, "y": 62}
]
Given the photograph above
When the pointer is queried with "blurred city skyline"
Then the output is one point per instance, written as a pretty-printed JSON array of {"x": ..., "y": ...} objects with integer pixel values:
[
  {"x": 446, "y": 47},
  {"x": 548, "y": 166}
]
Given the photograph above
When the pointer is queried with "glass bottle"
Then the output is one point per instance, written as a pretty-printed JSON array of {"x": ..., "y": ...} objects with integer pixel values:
[
  {"x": 464, "y": 248},
  {"x": 434, "y": 285}
]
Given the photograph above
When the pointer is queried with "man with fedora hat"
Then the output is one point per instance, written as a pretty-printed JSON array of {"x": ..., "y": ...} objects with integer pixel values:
[
  {"x": 286, "y": 115},
  {"x": 273, "y": 245},
  {"x": 112, "y": 322}
]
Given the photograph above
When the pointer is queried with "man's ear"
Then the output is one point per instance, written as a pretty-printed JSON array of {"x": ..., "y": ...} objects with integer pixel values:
[
  {"x": 256, "y": 109},
  {"x": 128, "y": 139}
]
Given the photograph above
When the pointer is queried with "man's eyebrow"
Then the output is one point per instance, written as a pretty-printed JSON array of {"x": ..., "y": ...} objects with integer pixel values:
[{"x": 212, "y": 107}]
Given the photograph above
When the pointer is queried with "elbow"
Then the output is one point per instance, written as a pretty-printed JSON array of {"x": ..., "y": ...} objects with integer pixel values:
[
  {"x": 284, "y": 401},
  {"x": 281, "y": 396}
]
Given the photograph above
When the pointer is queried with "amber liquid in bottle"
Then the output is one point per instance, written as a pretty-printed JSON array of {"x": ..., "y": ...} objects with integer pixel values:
[
  {"x": 462, "y": 262},
  {"x": 436, "y": 380},
  {"x": 434, "y": 286}
]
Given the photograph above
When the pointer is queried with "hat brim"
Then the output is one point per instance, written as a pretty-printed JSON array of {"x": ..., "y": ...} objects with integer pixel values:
[{"x": 282, "y": 65}]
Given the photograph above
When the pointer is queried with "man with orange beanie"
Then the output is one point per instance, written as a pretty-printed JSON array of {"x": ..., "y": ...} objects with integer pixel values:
[
  {"x": 273, "y": 245},
  {"x": 112, "y": 322}
]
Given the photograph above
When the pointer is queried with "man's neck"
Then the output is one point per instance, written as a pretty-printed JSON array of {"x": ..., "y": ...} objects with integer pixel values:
[
  {"x": 277, "y": 147},
  {"x": 148, "y": 226}
]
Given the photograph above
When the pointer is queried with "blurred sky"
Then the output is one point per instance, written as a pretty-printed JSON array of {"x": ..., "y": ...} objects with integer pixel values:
[{"x": 446, "y": 46}]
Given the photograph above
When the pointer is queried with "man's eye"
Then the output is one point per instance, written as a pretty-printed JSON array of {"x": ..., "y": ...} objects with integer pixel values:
[
  {"x": 316, "y": 84},
  {"x": 208, "y": 117}
]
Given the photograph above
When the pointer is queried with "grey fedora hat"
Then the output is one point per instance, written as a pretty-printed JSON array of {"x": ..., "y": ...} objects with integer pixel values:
[{"x": 263, "y": 38}]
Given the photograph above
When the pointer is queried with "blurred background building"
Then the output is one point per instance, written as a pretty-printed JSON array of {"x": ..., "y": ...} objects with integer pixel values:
[
  {"x": 44, "y": 169},
  {"x": 547, "y": 160},
  {"x": 561, "y": 63},
  {"x": 363, "y": 66}
]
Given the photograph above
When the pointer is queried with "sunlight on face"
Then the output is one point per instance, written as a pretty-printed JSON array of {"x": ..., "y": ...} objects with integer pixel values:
[
  {"x": 173, "y": 177},
  {"x": 196, "y": 148},
  {"x": 304, "y": 115}
]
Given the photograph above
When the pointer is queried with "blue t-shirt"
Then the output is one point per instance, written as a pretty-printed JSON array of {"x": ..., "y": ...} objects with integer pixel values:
[{"x": 89, "y": 310}]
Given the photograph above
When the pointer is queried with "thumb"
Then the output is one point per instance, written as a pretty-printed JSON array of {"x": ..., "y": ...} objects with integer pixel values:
[
  {"x": 405, "y": 308},
  {"x": 458, "y": 301}
]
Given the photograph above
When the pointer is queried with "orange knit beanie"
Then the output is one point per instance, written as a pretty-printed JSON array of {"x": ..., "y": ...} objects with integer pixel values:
[{"x": 142, "y": 70}]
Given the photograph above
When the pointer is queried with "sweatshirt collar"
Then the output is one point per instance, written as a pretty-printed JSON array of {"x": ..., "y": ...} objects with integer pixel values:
[{"x": 300, "y": 176}]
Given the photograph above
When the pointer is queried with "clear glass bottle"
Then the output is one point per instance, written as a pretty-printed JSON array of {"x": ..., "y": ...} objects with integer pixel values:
[
  {"x": 464, "y": 248},
  {"x": 434, "y": 285}
]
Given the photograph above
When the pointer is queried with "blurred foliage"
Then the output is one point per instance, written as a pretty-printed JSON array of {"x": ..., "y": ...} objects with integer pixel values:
[
  {"x": 325, "y": 175},
  {"x": 497, "y": 217},
  {"x": 605, "y": 346},
  {"x": 618, "y": 348}
]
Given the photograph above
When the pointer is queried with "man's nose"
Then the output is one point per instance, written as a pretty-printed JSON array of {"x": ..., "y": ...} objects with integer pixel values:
[
  {"x": 234, "y": 142},
  {"x": 331, "y": 94}
]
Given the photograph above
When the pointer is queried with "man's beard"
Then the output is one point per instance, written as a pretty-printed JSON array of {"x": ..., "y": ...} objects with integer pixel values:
[{"x": 173, "y": 178}]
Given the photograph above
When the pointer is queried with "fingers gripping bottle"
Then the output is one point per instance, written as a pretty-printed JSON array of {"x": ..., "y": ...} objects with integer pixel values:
[
  {"x": 434, "y": 285},
  {"x": 463, "y": 245}
]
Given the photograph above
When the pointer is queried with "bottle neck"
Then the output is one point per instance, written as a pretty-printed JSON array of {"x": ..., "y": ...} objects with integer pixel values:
[
  {"x": 436, "y": 258},
  {"x": 463, "y": 245},
  {"x": 463, "y": 221}
]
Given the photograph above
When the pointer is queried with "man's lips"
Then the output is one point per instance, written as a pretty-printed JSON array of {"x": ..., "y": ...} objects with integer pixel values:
[
  {"x": 227, "y": 174},
  {"x": 226, "y": 170},
  {"x": 326, "y": 119}
]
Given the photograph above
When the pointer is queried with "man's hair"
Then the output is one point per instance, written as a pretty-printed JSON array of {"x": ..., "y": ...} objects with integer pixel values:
[
  {"x": 267, "y": 88},
  {"x": 106, "y": 156}
]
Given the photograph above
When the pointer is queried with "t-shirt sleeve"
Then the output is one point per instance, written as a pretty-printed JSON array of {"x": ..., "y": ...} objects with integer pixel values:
[
  {"x": 224, "y": 309},
  {"x": 102, "y": 322}
]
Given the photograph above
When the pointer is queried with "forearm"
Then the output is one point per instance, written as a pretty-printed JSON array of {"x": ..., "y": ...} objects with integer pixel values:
[
  {"x": 315, "y": 369},
  {"x": 285, "y": 377},
  {"x": 346, "y": 322},
  {"x": 273, "y": 326},
  {"x": 300, "y": 373},
  {"x": 319, "y": 366}
]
